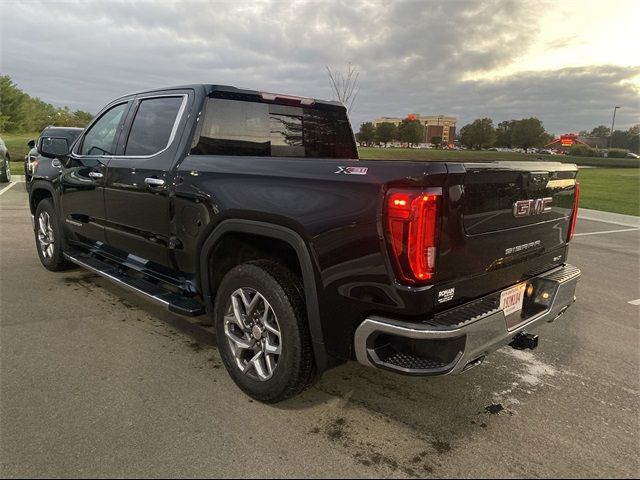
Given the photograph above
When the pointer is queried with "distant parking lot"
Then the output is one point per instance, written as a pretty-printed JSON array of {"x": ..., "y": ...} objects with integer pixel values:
[{"x": 95, "y": 381}]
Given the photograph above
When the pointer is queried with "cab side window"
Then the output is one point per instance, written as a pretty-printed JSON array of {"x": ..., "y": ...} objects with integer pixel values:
[
  {"x": 99, "y": 140},
  {"x": 152, "y": 126}
]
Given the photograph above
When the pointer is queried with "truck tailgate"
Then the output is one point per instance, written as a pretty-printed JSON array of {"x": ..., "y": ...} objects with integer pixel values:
[
  {"x": 510, "y": 222},
  {"x": 498, "y": 198}
]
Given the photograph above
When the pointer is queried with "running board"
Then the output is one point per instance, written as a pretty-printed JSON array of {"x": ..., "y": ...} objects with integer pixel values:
[{"x": 174, "y": 302}]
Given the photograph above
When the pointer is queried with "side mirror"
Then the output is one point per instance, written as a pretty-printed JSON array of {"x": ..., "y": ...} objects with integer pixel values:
[{"x": 53, "y": 147}]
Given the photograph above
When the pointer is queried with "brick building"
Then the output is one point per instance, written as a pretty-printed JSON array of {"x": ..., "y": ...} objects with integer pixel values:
[{"x": 434, "y": 126}]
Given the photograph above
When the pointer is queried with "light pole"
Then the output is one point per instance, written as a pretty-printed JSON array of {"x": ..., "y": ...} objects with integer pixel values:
[{"x": 613, "y": 122}]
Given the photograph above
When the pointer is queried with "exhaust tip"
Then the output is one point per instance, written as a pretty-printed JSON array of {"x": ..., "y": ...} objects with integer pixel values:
[
  {"x": 473, "y": 363},
  {"x": 560, "y": 313}
]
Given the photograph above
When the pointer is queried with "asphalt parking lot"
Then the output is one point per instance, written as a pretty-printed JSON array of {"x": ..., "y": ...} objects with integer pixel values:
[{"x": 95, "y": 381}]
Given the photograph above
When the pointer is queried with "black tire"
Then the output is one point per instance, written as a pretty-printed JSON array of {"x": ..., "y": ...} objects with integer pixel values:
[
  {"x": 5, "y": 172},
  {"x": 53, "y": 258},
  {"x": 295, "y": 368},
  {"x": 27, "y": 177}
]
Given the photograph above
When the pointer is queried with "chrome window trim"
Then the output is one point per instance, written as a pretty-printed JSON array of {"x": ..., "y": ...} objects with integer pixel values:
[{"x": 174, "y": 129}]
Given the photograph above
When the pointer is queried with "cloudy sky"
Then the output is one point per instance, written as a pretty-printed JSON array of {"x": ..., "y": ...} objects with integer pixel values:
[{"x": 567, "y": 63}]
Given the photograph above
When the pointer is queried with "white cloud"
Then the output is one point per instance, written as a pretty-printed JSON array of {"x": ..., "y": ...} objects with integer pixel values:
[{"x": 468, "y": 58}]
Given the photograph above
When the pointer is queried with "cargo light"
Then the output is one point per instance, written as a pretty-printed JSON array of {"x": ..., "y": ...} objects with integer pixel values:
[
  {"x": 411, "y": 221},
  {"x": 574, "y": 215},
  {"x": 288, "y": 98}
]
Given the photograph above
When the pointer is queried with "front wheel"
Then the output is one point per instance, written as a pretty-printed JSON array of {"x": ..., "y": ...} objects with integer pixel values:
[
  {"x": 262, "y": 331},
  {"x": 48, "y": 237}
]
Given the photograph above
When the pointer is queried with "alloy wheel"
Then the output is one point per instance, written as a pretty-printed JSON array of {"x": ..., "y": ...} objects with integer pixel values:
[
  {"x": 46, "y": 238},
  {"x": 253, "y": 333}
]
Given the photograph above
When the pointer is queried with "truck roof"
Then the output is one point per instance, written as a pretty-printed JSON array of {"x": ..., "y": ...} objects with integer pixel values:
[{"x": 228, "y": 91}]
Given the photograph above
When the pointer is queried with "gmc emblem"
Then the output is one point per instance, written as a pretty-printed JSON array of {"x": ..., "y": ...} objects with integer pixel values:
[{"x": 537, "y": 206}]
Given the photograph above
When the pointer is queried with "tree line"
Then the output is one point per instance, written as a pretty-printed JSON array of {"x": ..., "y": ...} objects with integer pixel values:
[
  {"x": 626, "y": 139},
  {"x": 409, "y": 132},
  {"x": 524, "y": 133},
  {"x": 20, "y": 112},
  {"x": 481, "y": 133}
]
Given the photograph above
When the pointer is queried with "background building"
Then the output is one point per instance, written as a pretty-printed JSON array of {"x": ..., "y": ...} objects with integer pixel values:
[
  {"x": 434, "y": 126},
  {"x": 568, "y": 140}
]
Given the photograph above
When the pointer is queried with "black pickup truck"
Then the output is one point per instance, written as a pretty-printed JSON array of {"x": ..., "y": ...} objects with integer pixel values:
[{"x": 253, "y": 208}]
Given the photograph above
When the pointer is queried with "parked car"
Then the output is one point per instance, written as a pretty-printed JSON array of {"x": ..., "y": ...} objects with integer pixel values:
[
  {"x": 254, "y": 209},
  {"x": 5, "y": 166},
  {"x": 67, "y": 135}
]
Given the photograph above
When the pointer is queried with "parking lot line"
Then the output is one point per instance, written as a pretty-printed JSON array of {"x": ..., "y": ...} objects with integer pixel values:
[
  {"x": 607, "y": 231},
  {"x": 7, "y": 187}
]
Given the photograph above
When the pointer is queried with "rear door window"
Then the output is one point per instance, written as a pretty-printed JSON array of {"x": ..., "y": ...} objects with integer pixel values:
[
  {"x": 153, "y": 125},
  {"x": 234, "y": 128}
]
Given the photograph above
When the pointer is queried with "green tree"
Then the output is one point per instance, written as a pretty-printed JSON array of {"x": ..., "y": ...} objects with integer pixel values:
[
  {"x": 633, "y": 139},
  {"x": 478, "y": 134},
  {"x": 600, "y": 131},
  {"x": 12, "y": 105},
  {"x": 20, "y": 112},
  {"x": 528, "y": 132},
  {"x": 437, "y": 141},
  {"x": 386, "y": 132},
  {"x": 82, "y": 118},
  {"x": 367, "y": 134},
  {"x": 619, "y": 139},
  {"x": 411, "y": 132},
  {"x": 504, "y": 133}
]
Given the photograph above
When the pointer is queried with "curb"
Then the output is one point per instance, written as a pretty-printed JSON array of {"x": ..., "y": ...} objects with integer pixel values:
[{"x": 607, "y": 217}]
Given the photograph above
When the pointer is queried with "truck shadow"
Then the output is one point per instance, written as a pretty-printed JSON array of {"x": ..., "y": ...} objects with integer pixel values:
[
  {"x": 385, "y": 421},
  {"x": 406, "y": 424}
]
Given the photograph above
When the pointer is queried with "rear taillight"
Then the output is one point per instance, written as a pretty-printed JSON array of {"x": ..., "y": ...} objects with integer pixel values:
[
  {"x": 574, "y": 215},
  {"x": 411, "y": 219}
]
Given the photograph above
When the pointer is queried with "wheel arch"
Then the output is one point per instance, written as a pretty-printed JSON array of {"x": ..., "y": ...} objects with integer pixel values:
[
  {"x": 39, "y": 190},
  {"x": 307, "y": 271}
]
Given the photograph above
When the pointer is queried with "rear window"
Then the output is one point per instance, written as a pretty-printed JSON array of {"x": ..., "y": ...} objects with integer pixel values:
[{"x": 232, "y": 127}]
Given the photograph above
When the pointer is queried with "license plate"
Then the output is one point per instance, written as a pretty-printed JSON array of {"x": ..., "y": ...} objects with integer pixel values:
[{"x": 511, "y": 300}]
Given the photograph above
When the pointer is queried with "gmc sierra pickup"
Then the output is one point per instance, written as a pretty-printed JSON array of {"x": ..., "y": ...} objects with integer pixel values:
[{"x": 253, "y": 208}]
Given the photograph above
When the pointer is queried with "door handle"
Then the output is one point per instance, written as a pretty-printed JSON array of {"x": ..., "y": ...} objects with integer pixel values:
[
  {"x": 154, "y": 182},
  {"x": 95, "y": 175}
]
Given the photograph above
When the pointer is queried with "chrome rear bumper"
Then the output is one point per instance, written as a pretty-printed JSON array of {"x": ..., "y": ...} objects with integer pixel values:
[{"x": 431, "y": 348}]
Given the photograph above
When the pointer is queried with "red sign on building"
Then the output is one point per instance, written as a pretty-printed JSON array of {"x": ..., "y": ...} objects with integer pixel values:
[{"x": 568, "y": 139}]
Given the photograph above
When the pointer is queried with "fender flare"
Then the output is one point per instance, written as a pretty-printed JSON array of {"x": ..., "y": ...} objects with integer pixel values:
[
  {"x": 37, "y": 184},
  {"x": 290, "y": 237}
]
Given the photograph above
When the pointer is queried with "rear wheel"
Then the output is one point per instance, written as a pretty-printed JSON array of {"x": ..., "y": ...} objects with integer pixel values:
[
  {"x": 262, "y": 331},
  {"x": 48, "y": 237}
]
